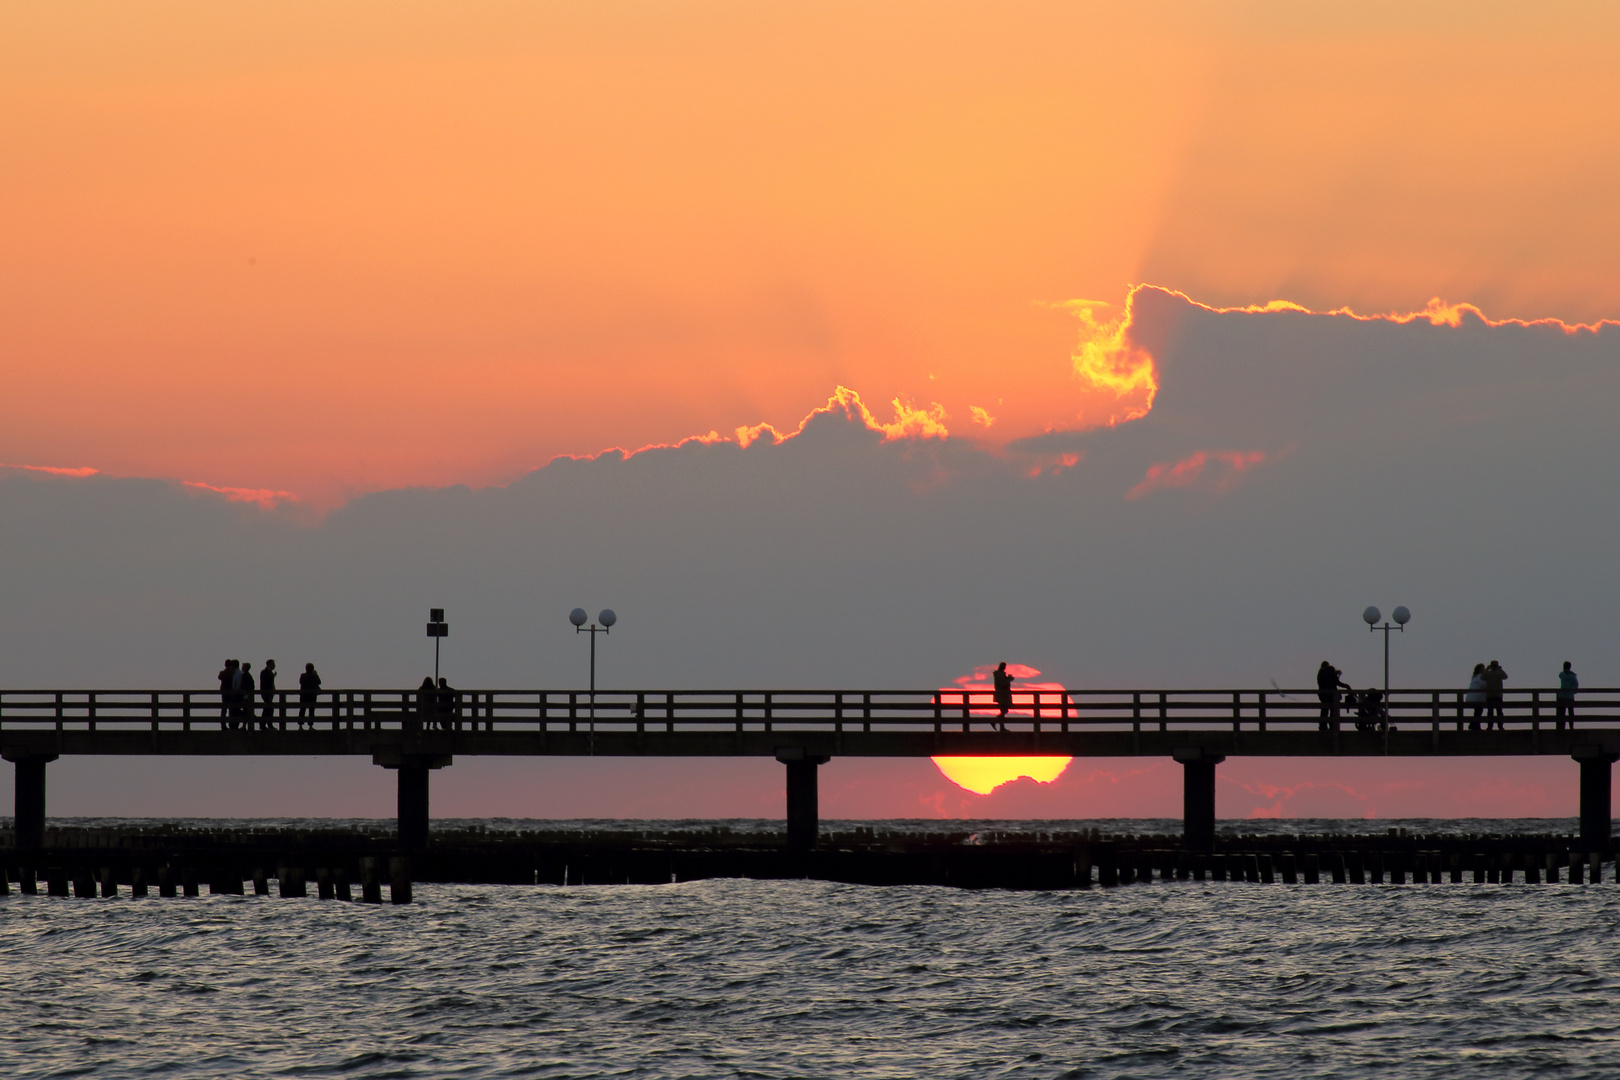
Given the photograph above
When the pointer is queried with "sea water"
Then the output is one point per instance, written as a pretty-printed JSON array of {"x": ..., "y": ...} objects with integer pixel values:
[{"x": 731, "y": 978}]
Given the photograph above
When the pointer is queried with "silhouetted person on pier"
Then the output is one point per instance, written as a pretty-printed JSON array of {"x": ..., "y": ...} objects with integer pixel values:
[
  {"x": 227, "y": 692},
  {"x": 449, "y": 705},
  {"x": 1494, "y": 675},
  {"x": 309, "y": 691},
  {"x": 1475, "y": 696},
  {"x": 1328, "y": 681},
  {"x": 427, "y": 705},
  {"x": 1003, "y": 683},
  {"x": 242, "y": 705},
  {"x": 1567, "y": 685},
  {"x": 267, "y": 694},
  {"x": 237, "y": 693}
]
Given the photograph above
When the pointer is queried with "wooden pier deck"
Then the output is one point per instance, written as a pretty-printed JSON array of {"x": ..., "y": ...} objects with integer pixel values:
[{"x": 415, "y": 734}]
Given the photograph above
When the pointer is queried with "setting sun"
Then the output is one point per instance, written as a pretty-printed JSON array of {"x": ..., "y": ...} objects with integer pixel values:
[{"x": 982, "y": 775}]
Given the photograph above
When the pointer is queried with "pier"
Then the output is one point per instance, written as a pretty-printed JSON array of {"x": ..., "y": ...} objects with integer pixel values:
[{"x": 416, "y": 734}]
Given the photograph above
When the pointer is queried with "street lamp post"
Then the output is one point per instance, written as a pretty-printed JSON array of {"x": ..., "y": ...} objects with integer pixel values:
[
  {"x": 437, "y": 628},
  {"x": 607, "y": 618},
  {"x": 1401, "y": 617}
]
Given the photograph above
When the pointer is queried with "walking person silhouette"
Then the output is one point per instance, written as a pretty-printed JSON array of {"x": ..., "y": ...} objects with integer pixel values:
[{"x": 1003, "y": 683}]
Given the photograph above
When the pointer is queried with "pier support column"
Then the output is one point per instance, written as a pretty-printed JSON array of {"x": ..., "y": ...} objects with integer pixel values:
[
  {"x": 1198, "y": 795},
  {"x": 30, "y": 793},
  {"x": 413, "y": 793},
  {"x": 803, "y": 809},
  {"x": 1596, "y": 778}
]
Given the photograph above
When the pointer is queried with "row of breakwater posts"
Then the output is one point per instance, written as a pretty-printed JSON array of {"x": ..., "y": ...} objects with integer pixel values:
[
  {"x": 349, "y": 863},
  {"x": 416, "y": 734},
  {"x": 85, "y": 880}
]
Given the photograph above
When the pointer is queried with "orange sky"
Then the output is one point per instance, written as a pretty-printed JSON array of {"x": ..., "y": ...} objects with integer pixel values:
[{"x": 325, "y": 248}]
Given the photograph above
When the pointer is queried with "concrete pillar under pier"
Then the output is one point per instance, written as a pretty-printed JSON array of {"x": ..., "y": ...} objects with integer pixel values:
[
  {"x": 803, "y": 805},
  {"x": 1596, "y": 780},
  {"x": 413, "y": 806},
  {"x": 1198, "y": 795},
  {"x": 413, "y": 793},
  {"x": 30, "y": 799}
]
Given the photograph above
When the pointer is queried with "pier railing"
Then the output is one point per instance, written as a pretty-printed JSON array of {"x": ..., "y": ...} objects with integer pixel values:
[{"x": 787, "y": 710}]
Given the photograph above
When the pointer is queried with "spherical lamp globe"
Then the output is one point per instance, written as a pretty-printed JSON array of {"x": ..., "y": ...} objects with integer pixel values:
[
  {"x": 1372, "y": 615},
  {"x": 607, "y": 618},
  {"x": 1401, "y": 615},
  {"x": 578, "y": 616}
]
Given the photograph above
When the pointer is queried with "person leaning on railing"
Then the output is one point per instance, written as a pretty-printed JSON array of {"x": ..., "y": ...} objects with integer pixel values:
[
  {"x": 227, "y": 687},
  {"x": 242, "y": 697},
  {"x": 1567, "y": 685},
  {"x": 449, "y": 705},
  {"x": 1328, "y": 681},
  {"x": 1475, "y": 696},
  {"x": 309, "y": 691},
  {"x": 1494, "y": 676},
  {"x": 427, "y": 706}
]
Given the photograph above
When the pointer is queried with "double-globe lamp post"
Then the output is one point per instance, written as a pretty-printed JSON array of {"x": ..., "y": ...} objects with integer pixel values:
[
  {"x": 578, "y": 617},
  {"x": 1401, "y": 617}
]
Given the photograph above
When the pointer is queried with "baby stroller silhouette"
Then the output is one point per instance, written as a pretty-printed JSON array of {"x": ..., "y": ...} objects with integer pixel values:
[{"x": 1371, "y": 711}]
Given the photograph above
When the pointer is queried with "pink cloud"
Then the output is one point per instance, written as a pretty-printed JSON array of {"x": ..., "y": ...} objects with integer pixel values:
[
  {"x": 1304, "y": 799},
  {"x": 1214, "y": 471},
  {"x": 54, "y": 470},
  {"x": 267, "y": 498}
]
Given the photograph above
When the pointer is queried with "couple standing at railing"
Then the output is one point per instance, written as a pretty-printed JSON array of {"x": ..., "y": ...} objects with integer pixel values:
[
  {"x": 1484, "y": 693},
  {"x": 438, "y": 704}
]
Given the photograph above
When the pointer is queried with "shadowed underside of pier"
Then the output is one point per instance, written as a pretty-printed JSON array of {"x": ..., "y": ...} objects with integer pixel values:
[
  {"x": 393, "y": 738},
  {"x": 415, "y": 732}
]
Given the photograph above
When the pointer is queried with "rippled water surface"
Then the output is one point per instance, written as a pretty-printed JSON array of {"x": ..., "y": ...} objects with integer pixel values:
[{"x": 790, "y": 979}]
